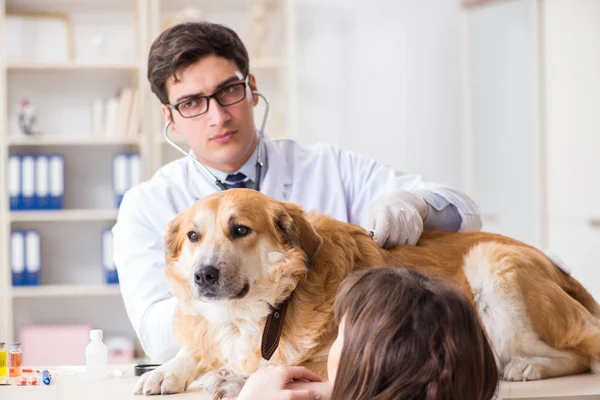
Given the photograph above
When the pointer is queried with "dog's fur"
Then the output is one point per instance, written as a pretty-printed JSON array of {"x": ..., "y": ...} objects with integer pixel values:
[{"x": 541, "y": 322}]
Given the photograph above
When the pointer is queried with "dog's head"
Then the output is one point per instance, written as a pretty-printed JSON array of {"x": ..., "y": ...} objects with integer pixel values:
[{"x": 238, "y": 246}]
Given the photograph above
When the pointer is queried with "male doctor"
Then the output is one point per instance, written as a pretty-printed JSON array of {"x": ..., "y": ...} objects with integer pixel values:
[{"x": 201, "y": 74}]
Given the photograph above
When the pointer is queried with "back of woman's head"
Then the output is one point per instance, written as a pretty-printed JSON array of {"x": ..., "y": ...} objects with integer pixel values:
[{"x": 410, "y": 337}]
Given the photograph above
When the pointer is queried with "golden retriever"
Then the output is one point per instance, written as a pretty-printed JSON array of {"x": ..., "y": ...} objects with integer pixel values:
[{"x": 235, "y": 256}]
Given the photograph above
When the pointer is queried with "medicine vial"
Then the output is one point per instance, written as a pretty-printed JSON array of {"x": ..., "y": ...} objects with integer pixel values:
[
  {"x": 15, "y": 359},
  {"x": 3, "y": 369}
]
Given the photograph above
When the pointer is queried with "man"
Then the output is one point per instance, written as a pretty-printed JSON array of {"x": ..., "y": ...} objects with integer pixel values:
[{"x": 200, "y": 72}]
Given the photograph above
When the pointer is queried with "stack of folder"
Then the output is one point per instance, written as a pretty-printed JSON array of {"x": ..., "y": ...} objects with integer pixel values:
[
  {"x": 26, "y": 257},
  {"x": 36, "y": 182},
  {"x": 127, "y": 173}
]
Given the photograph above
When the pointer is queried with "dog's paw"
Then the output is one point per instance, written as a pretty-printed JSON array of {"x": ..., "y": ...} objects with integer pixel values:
[
  {"x": 522, "y": 369},
  {"x": 161, "y": 382},
  {"x": 223, "y": 383}
]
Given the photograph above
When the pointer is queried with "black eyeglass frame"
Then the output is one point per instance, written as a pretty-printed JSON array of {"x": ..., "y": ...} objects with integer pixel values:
[{"x": 244, "y": 83}]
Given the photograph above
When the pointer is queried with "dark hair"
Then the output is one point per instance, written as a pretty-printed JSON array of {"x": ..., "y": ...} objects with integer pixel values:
[
  {"x": 185, "y": 44},
  {"x": 409, "y": 337}
]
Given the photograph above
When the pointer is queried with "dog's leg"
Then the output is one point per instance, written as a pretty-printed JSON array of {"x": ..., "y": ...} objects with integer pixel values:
[
  {"x": 548, "y": 363},
  {"x": 223, "y": 383},
  {"x": 173, "y": 376}
]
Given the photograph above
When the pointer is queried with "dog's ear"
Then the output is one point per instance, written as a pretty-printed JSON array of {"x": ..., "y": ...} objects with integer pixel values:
[
  {"x": 173, "y": 239},
  {"x": 297, "y": 230}
]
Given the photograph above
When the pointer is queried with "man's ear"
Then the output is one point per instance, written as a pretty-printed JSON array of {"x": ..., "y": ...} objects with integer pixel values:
[
  {"x": 298, "y": 231},
  {"x": 168, "y": 116},
  {"x": 253, "y": 88},
  {"x": 173, "y": 239}
]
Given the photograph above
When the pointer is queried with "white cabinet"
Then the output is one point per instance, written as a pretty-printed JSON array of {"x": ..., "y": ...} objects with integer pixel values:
[
  {"x": 500, "y": 89},
  {"x": 533, "y": 125},
  {"x": 572, "y": 84}
]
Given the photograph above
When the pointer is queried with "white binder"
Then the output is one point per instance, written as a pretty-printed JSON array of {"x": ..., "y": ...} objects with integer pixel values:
[
  {"x": 57, "y": 181},
  {"x": 17, "y": 257},
  {"x": 42, "y": 178},
  {"x": 14, "y": 182},
  {"x": 28, "y": 182},
  {"x": 120, "y": 177},
  {"x": 32, "y": 257}
]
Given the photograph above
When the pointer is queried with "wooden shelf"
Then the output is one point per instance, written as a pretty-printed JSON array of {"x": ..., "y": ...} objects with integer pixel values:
[
  {"x": 71, "y": 141},
  {"x": 41, "y": 66},
  {"x": 69, "y": 290},
  {"x": 63, "y": 215}
]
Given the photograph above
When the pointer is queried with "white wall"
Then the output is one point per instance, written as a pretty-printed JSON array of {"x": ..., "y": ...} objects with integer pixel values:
[
  {"x": 502, "y": 92},
  {"x": 382, "y": 77}
]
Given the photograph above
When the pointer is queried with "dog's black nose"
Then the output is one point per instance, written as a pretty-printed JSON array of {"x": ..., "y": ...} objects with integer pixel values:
[{"x": 206, "y": 276}]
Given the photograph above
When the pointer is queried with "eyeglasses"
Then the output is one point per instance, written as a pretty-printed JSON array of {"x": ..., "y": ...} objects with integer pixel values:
[{"x": 226, "y": 96}]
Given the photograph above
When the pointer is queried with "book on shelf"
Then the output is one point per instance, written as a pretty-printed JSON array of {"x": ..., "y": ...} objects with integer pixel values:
[{"x": 117, "y": 116}]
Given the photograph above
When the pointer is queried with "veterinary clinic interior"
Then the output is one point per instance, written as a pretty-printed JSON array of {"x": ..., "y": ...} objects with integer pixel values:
[{"x": 133, "y": 252}]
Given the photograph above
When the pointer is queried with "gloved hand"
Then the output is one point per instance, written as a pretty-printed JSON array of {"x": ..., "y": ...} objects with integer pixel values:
[{"x": 397, "y": 219}]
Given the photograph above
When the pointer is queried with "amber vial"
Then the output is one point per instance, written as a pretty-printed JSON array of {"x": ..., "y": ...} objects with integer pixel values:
[{"x": 15, "y": 359}]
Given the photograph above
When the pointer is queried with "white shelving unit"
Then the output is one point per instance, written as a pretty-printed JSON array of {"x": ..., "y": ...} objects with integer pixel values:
[
  {"x": 63, "y": 215},
  {"x": 65, "y": 291},
  {"x": 72, "y": 289},
  {"x": 71, "y": 141}
]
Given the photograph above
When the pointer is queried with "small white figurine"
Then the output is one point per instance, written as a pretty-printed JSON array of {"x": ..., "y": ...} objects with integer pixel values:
[{"x": 27, "y": 117}]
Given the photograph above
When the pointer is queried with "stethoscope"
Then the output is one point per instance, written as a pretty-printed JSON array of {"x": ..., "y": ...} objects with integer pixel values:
[{"x": 217, "y": 181}]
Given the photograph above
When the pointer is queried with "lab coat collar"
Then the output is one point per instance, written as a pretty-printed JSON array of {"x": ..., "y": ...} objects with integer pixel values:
[
  {"x": 248, "y": 169},
  {"x": 277, "y": 175},
  {"x": 278, "y": 179}
]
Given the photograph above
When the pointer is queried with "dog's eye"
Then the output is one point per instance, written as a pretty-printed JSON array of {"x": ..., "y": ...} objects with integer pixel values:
[
  {"x": 240, "y": 231},
  {"x": 193, "y": 236}
]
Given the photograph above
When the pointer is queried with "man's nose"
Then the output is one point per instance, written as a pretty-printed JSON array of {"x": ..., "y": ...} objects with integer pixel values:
[
  {"x": 206, "y": 276},
  {"x": 217, "y": 114}
]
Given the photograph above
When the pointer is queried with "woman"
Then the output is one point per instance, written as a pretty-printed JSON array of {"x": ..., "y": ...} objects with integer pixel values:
[{"x": 401, "y": 336}]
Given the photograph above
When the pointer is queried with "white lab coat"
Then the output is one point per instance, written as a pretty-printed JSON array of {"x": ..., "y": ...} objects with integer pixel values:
[{"x": 323, "y": 178}]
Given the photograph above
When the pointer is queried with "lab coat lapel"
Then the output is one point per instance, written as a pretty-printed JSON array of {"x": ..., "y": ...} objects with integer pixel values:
[
  {"x": 199, "y": 184},
  {"x": 278, "y": 178}
]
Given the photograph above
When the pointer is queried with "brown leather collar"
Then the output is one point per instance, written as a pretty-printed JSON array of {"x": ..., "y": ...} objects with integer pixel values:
[{"x": 273, "y": 328}]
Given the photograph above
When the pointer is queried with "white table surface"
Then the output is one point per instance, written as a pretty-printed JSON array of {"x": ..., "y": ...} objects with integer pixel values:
[{"x": 76, "y": 387}]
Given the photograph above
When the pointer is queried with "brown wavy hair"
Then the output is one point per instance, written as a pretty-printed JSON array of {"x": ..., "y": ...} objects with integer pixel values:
[
  {"x": 185, "y": 44},
  {"x": 409, "y": 337}
]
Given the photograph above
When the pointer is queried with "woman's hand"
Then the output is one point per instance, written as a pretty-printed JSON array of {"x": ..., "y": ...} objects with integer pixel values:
[
  {"x": 271, "y": 383},
  {"x": 323, "y": 388}
]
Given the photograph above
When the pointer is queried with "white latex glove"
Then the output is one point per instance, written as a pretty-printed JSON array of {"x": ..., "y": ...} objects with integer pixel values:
[{"x": 397, "y": 219}]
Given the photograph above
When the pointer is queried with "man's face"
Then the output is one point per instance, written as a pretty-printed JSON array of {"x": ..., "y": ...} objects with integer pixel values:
[{"x": 223, "y": 137}]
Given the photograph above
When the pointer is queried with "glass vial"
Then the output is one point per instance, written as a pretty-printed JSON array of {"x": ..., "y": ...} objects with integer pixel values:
[
  {"x": 3, "y": 369},
  {"x": 15, "y": 359}
]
